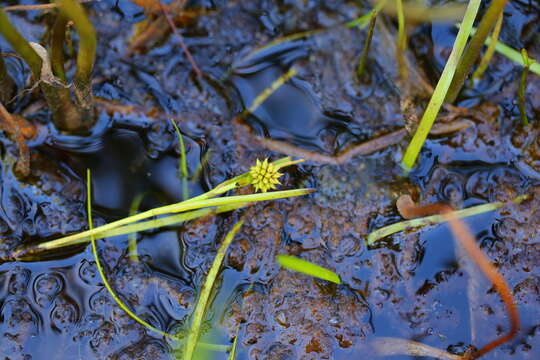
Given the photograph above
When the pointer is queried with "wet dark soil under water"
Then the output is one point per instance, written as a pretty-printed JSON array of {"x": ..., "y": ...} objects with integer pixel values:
[{"x": 412, "y": 285}]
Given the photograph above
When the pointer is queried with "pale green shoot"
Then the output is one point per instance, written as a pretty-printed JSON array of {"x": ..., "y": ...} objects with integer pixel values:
[
  {"x": 232, "y": 354},
  {"x": 183, "y": 162},
  {"x": 436, "y": 219},
  {"x": 200, "y": 309},
  {"x": 205, "y": 200},
  {"x": 441, "y": 89},
  {"x": 486, "y": 59},
  {"x": 512, "y": 54},
  {"x": 156, "y": 223},
  {"x": 307, "y": 268},
  {"x": 175, "y": 208},
  {"x": 109, "y": 288}
]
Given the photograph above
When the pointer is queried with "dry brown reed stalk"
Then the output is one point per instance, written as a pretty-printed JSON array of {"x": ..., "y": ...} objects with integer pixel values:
[{"x": 408, "y": 209}]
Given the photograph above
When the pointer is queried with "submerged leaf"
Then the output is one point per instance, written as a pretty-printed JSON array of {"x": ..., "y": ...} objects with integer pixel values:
[
  {"x": 308, "y": 268},
  {"x": 200, "y": 309}
]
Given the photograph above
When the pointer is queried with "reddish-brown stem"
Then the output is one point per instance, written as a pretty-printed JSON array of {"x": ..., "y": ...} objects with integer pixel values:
[
  {"x": 180, "y": 40},
  {"x": 409, "y": 209},
  {"x": 13, "y": 128}
]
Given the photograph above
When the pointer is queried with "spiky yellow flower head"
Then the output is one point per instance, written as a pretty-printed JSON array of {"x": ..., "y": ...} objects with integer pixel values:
[{"x": 264, "y": 175}]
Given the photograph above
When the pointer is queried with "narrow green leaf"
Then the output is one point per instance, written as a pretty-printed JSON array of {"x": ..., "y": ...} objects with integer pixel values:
[
  {"x": 486, "y": 59},
  {"x": 232, "y": 354},
  {"x": 183, "y": 162},
  {"x": 436, "y": 219},
  {"x": 174, "y": 208},
  {"x": 102, "y": 272},
  {"x": 511, "y": 54},
  {"x": 308, "y": 268},
  {"x": 213, "y": 347},
  {"x": 441, "y": 89},
  {"x": 200, "y": 309}
]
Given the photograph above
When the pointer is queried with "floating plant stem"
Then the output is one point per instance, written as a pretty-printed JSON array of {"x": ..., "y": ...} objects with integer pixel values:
[
  {"x": 153, "y": 224},
  {"x": 202, "y": 303},
  {"x": 473, "y": 50},
  {"x": 441, "y": 89},
  {"x": 436, "y": 219},
  {"x": 486, "y": 59},
  {"x": 307, "y": 268},
  {"x": 523, "y": 86}
]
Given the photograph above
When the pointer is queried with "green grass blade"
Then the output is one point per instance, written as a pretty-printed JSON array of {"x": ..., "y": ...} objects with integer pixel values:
[
  {"x": 200, "y": 309},
  {"x": 232, "y": 354},
  {"x": 402, "y": 41},
  {"x": 213, "y": 347},
  {"x": 140, "y": 226},
  {"x": 486, "y": 59},
  {"x": 515, "y": 56},
  {"x": 523, "y": 87},
  {"x": 441, "y": 89},
  {"x": 367, "y": 44},
  {"x": 307, "y": 268},
  {"x": 183, "y": 162},
  {"x": 511, "y": 53},
  {"x": 174, "y": 208},
  {"x": 474, "y": 47},
  {"x": 102, "y": 272},
  {"x": 435, "y": 219}
]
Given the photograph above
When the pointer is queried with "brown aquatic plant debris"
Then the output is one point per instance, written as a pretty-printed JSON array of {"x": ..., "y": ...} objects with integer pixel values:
[
  {"x": 148, "y": 5},
  {"x": 365, "y": 148},
  {"x": 155, "y": 27},
  {"x": 180, "y": 40},
  {"x": 408, "y": 209},
  {"x": 12, "y": 127}
]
